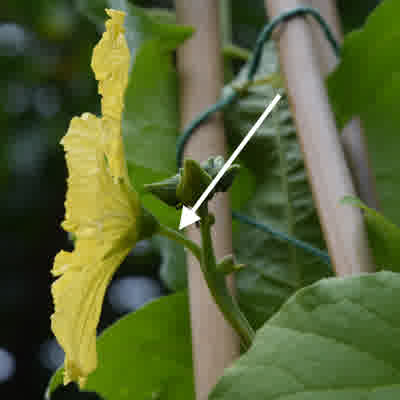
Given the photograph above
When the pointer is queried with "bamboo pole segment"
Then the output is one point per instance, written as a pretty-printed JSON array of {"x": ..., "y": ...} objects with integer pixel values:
[
  {"x": 215, "y": 344},
  {"x": 327, "y": 9},
  {"x": 324, "y": 157},
  {"x": 352, "y": 136}
]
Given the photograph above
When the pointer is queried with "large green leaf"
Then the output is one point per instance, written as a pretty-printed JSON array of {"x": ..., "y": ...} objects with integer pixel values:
[
  {"x": 145, "y": 355},
  {"x": 383, "y": 235},
  {"x": 151, "y": 120},
  {"x": 337, "y": 339},
  {"x": 282, "y": 200},
  {"x": 151, "y": 116},
  {"x": 367, "y": 83},
  {"x": 150, "y": 124}
]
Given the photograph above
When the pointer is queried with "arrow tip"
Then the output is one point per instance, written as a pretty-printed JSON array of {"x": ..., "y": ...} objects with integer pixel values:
[{"x": 188, "y": 217}]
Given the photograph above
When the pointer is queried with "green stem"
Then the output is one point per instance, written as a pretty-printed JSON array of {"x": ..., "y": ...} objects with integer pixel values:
[
  {"x": 189, "y": 244},
  {"x": 217, "y": 285},
  {"x": 225, "y": 21},
  {"x": 236, "y": 52},
  {"x": 273, "y": 80}
]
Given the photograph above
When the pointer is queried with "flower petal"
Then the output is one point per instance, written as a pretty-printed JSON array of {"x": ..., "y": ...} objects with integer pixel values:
[
  {"x": 96, "y": 205},
  {"x": 103, "y": 215},
  {"x": 78, "y": 296},
  {"x": 110, "y": 63},
  {"x": 102, "y": 209}
]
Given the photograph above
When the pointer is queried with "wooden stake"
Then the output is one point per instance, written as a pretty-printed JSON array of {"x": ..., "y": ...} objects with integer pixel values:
[
  {"x": 215, "y": 344},
  {"x": 325, "y": 161},
  {"x": 352, "y": 136}
]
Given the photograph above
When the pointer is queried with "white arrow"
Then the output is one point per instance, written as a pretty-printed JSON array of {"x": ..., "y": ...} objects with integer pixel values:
[{"x": 189, "y": 216}]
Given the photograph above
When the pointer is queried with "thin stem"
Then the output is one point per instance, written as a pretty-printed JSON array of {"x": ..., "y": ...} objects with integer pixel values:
[
  {"x": 225, "y": 18},
  {"x": 217, "y": 285},
  {"x": 233, "y": 51},
  {"x": 189, "y": 244},
  {"x": 273, "y": 80}
]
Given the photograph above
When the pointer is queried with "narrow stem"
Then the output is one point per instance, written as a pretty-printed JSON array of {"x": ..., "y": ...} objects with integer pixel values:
[
  {"x": 225, "y": 25},
  {"x": 273, "y": 79},
  {"x": 189, "y": 244},
  {"x": 225, "y": 20},
  {"x": 217, "y": 285},
  {"x": 233, "y": 51}
]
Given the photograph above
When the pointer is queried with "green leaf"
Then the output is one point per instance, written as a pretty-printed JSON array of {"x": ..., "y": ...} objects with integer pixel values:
[
  {"x": 151, "y": 120},
  {"x": 383, "y": 235},
  {"x": 165, "y": 214},
  {"x": 94, "y": 11},
  {"x": 144, "y": 355},
  {"x": 143, "y": 24},
  {"x": 367, "y": 83},
  {"x": 282, "y": 200},
  {"x": 150, "y": 125},
  {"x": 173, "y": 269},
  {"x": 336, "y": 339},
  {"x": 369, "y": 62}
]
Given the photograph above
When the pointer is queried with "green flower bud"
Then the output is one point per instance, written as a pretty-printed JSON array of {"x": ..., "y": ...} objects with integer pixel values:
[
  {"x": 191, "y": 181},
  {"x": 165, "y": 190},
  {"x": 227, "y": 265}
]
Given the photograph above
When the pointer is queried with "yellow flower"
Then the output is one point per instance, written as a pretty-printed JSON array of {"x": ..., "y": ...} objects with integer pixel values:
[{"x": 102, "y": 209}]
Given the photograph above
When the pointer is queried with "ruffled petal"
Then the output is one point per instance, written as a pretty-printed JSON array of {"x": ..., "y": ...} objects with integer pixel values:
[
  {"x": 102, "y": 209},
  {"x": 78, "y": 297},
  {"x": 96, "y": 205},
  {"x": 110, "y": 63},
  {"x": 102, "y": 213}
]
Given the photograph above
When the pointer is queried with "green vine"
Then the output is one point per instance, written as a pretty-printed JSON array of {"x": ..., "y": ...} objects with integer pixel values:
[
  {"x": 181, "y": 239},
  {"x": 217, "y": 284}
]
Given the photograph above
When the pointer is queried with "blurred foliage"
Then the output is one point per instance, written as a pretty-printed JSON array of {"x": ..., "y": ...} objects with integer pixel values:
[{"x": 45, "y": 80}]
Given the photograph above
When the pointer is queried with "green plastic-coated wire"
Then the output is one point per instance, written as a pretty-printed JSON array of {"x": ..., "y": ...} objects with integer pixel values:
[
  {"x": 187, "y": 133},
  {"x": 283, "y": 237},
  {"x": 266, "y": 33},
  {"x": 233, "y": 95}
]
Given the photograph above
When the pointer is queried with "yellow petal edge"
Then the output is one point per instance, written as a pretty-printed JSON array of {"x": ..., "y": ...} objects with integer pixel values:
[{"x": 101, "y": 209}]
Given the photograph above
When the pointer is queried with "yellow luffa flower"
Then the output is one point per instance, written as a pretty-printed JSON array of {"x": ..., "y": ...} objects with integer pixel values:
[{"x": 102, "y": 210}]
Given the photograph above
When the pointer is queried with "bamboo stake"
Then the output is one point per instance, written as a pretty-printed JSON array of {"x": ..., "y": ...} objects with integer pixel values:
[
  {"x": 327, "y": 169},
  {"x": 327, "y": 9},
  {"x": 352, "y": 136},
  {"x": 215, "y": 344}
]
